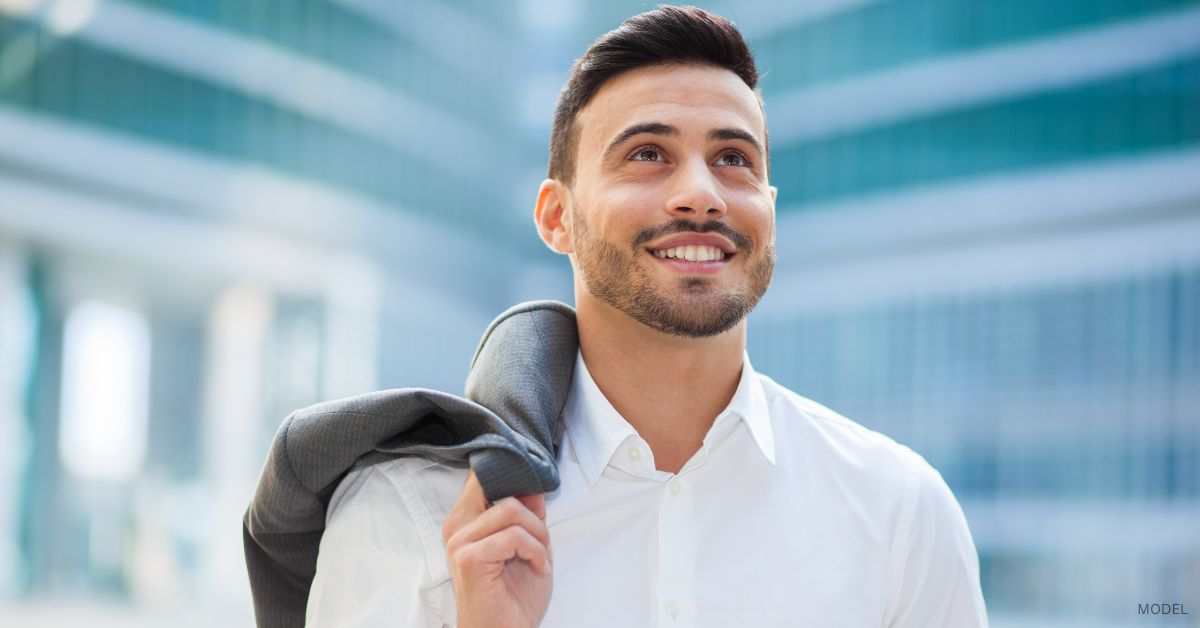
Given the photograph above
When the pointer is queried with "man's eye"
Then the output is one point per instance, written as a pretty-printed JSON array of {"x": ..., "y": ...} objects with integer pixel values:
[
  {"x": 647, "y": 154},
  {"x": 733, "y": 159}
]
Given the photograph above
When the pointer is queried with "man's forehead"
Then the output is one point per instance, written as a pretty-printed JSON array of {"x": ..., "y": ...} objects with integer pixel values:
[{"x": 681, "y": 95}]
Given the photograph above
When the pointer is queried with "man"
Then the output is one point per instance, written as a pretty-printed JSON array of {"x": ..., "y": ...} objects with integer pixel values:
[{"x": 694, "y": 490}]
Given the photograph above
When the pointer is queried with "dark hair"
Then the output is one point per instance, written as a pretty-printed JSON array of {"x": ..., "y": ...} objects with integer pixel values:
[{"x": 668, "y": 34}]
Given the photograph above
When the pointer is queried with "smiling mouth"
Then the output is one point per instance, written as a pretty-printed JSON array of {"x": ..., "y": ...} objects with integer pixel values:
[
  {"x": 692, "y": 253},
  {"x": 693, "y": 259}
]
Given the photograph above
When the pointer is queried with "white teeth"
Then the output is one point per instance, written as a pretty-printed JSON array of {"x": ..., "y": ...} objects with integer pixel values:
[{"x": 692, "y": 253}]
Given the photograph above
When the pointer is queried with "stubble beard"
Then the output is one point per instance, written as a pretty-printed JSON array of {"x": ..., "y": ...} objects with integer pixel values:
[{"x": 694, "y": 309}]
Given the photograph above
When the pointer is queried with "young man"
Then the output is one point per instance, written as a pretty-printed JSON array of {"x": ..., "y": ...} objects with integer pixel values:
[{"x": 694, "y": 491}]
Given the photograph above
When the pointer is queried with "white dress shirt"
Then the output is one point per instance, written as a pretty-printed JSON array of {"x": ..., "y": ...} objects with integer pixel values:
[{"x": 788, "y": 515}]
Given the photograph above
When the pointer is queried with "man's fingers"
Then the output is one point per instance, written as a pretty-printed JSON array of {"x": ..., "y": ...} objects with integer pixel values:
[
  {"x": 472, "y": 496},
  {"x": 471, "y": 503},
  {"x": 511, "y": 542},
  {"x": 536, "y": 503},
  {"x": 505, "y": 513},
  {"x": 471, "y": 519}
]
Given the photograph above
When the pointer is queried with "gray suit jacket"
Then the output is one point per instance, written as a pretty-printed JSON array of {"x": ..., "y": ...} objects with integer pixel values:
[{"x": 505, "y": 428}]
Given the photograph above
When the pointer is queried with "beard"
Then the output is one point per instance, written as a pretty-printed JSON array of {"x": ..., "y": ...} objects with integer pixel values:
[{"x": 694, "y": 307}]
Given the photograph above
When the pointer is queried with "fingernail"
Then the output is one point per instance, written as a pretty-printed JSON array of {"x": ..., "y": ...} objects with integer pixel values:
[{"x": 546, "y": 566}]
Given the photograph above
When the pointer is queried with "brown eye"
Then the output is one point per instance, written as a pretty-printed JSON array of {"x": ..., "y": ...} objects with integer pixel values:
[
  {"x": 733, "y": 159},
  {"x": 647, "y": 154}
]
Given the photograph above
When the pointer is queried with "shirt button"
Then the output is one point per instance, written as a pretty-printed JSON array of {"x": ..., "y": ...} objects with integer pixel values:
[
  {"x": 635, "y": 454},
  {"x": 672, "y": 608},
  {"x": 673, "y": 485}
]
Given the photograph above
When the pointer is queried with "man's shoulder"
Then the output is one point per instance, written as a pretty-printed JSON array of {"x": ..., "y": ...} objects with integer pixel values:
[
  {"x": 381, "y": 553},
  {"x": 813, "y": 430},
  {"x": 427, "y": 487}
]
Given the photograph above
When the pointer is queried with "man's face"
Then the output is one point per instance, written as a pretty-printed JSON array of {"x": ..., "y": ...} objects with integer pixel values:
[{"x": 673, "y": 218}]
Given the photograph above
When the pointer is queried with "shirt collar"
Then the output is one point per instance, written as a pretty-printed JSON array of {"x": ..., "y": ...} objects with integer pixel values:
[
  {"x": 597, "y": 430},
  {"x": 750, "y": 404}
]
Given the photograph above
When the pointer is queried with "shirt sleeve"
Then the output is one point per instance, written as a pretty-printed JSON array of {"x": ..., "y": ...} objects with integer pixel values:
[
  {"x": 939, "y": 575},
  {"x": 371, "y": 567}
]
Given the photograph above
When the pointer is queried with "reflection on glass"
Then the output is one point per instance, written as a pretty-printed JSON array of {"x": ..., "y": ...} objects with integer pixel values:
[{"x": 106, "y": 374}]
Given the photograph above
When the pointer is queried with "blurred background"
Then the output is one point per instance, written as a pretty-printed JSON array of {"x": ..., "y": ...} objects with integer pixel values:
[{"x": 214, "y": 212}]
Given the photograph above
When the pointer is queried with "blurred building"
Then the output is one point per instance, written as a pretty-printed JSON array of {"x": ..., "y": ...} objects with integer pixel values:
[{"x": 212, "y": 213}]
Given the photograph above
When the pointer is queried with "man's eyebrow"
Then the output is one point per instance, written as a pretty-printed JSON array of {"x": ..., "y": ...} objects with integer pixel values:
[
  {"x": 655, "y": 128},
  {"x": 736, "y": 134}
]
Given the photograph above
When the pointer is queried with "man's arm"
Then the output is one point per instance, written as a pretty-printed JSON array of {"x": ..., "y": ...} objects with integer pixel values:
[
  {"x": 939, "y": 574},
  {"x": 372, "y": 566}
]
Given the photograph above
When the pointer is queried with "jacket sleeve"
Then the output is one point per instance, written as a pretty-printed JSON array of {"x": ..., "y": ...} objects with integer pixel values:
[
  {"x": 373, "y": 568},
  {"x": 939, "y": 573}
]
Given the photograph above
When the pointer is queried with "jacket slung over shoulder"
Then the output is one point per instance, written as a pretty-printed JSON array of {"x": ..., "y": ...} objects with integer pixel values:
[{"x": 504, "y": 428}]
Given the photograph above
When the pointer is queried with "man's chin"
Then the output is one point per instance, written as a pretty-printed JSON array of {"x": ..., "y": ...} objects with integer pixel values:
[{"x": 692, "y": 313}]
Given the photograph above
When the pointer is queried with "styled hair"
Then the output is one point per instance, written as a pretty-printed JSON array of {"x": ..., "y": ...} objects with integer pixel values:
[{"x": 669, "y": 34}]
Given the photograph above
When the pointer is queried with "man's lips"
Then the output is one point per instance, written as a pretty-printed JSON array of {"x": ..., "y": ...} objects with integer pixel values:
[
  {"x": 711, "y": 240},
  {"x": 707, "y": 267}
]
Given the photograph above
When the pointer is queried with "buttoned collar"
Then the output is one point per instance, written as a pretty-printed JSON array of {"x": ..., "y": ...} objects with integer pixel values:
[{"x": 597, "y": 430}]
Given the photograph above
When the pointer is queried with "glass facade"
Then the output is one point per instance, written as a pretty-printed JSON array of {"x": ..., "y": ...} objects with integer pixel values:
[{"x": 989, "y": 250}]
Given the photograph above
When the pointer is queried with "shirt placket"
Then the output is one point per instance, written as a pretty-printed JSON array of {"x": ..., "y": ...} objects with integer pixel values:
[{"x": 677, "y": 542}]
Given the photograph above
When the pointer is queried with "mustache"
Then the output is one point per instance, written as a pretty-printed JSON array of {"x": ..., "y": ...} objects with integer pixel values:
[{"x": 683, "y": 225}]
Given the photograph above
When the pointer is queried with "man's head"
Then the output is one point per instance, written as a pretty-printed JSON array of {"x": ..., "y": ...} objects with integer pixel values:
[{"x": 658, "y": 162}]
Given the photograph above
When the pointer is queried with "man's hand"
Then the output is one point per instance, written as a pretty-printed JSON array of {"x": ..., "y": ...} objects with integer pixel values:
[{"x": 499, "y": 559}]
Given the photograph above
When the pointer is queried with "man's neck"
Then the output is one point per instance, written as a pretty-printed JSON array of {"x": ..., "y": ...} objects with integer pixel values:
[{"x": 669, "y": 388}]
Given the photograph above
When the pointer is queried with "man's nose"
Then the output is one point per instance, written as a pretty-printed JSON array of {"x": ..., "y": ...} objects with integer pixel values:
[{"x": 695, "y": 192}]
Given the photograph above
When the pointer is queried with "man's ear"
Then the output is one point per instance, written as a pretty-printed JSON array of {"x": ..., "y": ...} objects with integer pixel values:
[
  {"x": 774, "y": 194},
  {"x": 553, "y": 216}
]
